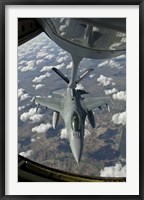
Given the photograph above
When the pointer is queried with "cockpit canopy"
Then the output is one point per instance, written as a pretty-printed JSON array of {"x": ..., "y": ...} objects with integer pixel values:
[{"x": 75, "y": 122}]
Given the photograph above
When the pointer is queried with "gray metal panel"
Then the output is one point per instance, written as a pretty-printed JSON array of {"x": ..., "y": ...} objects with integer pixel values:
[{"x": 82, "y": 50}]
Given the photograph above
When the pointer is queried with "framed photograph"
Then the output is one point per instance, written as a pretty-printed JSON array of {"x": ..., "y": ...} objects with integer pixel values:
[{"x": 71, "y": 89}]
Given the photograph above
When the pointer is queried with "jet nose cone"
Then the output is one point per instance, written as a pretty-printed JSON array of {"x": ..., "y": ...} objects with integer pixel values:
[{"x": 76, "y": 147}]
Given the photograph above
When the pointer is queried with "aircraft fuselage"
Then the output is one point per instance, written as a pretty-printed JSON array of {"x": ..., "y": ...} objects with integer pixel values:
[{"x": 74, "y": 114}]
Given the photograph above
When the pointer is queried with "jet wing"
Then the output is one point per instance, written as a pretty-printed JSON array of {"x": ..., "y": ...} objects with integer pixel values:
[
  {"x": 95, "y": 102},
  {"x": 52, "y": 103}
]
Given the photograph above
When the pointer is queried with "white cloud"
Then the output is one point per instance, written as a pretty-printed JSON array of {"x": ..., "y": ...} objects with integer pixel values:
[
  {"x": 121, "y": 56},
  {"x": 41, "y": 54},
  {"x": 26, "y": 153},
  {"x": 103, "y": 80},
  {"x": 38, "y": 137},
  {"x": 114, "y": 64},
  {"x": 52, "y": 49},
  {"x": 36, "y": 118},
  {"x": 21, "y": 108},
  {"x": 50, "y": 56},
  {"x": 91, "y": 76},
  {"x": 120, "y": 96},
  {"x": 86, "y": 133},
  {"x": 103, "y": 63},
  {"x": 41, "y": 77},
  {"x": 33, "y": 139},
  {"x": 38, "y": 86},
  {"x": 110, "y": 63},
  {"x": 21, "y": 95},
  {"x": 61, "y": 59},
  {"x": 20, "y": 92},
  {"x": 79, "y": 87},
  {"x": 24, "y": 96},
  {"x": 60, "y": 66},
  {"x": 108, "y": 92},
  {"x": 29, "y": 67},
  {"x": 114, "y": 171},
  {"x": 69, "y": 66},
  {"x": 31, "y": 115},
  {"x": 62, "y": 53},
  {"x": 119, "y": 118},
  {"x": 82, "y": 69},
  {"x": 46, "y": 68},
  {"x": 42, "y": 128},
  {"x": 63, "y": 134},
  {"x": 39, "y": 61},
  {"x": 86, "y": 122},
  {"x": 22, "y": 62}
]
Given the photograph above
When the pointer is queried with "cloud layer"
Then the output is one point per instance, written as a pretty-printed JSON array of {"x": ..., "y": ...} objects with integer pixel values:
[
  {"x": 79, "y": 87},
  {"x": 111, "y": 91},
  {"x": 119, "y": 118},
  {"x": 30, "y": 66},
  {"x": 21, "y": 95},
  {"x": 110, "y": 63},
  {"x": 103, "y": 80},
  {"x": 69, "y": 66},
  {"x": 114, "y": 171},
  {"x": 87, "y": 133},
  {"x": 27, "y": 153},
  {"x": 63, "y": 134},
  {"x": 38, "y": 86},
  {"x": 20, "y": 92},
  {"x": 42, "y": 128},
  {"x": 31, "y": 115},
  {"x": 41, "y": 77},
  {"x": 120, "y": 96}
]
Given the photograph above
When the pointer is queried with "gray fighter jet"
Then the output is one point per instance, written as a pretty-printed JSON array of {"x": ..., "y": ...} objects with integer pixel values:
[{"x": 73, "y": 107}]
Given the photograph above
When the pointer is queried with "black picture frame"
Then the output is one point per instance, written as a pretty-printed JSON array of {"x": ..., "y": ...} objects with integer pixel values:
[{"x": 3, "y": 3}]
